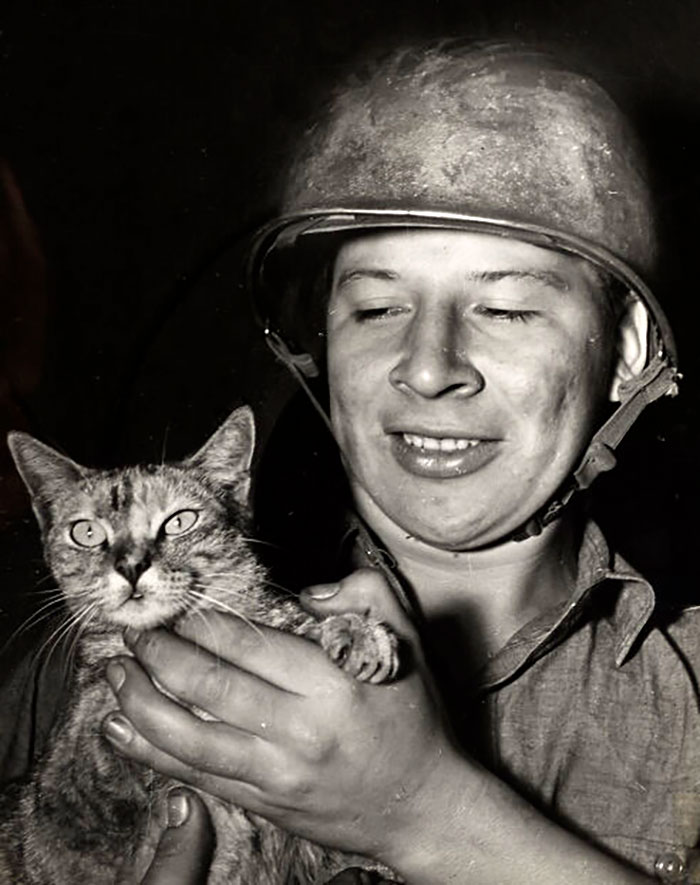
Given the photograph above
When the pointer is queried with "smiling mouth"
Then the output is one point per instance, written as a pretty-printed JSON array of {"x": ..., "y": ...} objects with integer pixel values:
[
  {"x": 441, "y": 457},
  {"x": 439, "y": 443}
]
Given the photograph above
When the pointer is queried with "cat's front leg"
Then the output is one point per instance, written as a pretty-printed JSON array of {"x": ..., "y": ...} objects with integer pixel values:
[{"x": 360, "y": 645}]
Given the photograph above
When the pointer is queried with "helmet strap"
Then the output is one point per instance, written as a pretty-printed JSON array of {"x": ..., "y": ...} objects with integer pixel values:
[
  {"x": 301, "y": 365},
  {"x": 659, "y": 378}
]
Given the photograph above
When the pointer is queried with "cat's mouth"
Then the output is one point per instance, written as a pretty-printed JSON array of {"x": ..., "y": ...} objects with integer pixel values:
[
  {"x": 143, "y": 610},
  {"x": 150, "y": 601}
]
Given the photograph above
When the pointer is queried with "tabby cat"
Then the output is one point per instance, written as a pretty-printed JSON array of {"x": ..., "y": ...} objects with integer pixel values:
[{"x": 143, "y": 547}]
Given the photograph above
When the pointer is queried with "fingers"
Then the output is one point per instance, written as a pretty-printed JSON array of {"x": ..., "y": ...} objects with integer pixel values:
[
  {"x": 185, "y": 849},
  {"x": 282, "y": 659},
  {"x": 127, "y": 741},
  {"x": 199, "y": 678},
  {"x": 213, "y": 747},
  {"x": 365, "y": 591}
]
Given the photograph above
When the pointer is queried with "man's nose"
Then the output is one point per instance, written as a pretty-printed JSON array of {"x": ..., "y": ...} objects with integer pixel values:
[{"x": 435, "y": 359}]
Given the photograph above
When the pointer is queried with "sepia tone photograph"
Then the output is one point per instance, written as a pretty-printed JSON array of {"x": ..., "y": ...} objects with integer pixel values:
[{"x": 348, "y": 442}]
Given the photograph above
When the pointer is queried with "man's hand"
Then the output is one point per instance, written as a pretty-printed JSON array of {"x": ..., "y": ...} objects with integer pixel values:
[
  {"x": 183, "y": 850},
  {"x": 294, "y": 739}
]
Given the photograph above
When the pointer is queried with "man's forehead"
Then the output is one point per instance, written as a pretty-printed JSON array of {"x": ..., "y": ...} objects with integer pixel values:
[{"x": 477, "y": 257}]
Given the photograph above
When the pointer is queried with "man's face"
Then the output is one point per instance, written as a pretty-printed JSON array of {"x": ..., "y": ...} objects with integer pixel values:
[{"x": 467, "y": 373}]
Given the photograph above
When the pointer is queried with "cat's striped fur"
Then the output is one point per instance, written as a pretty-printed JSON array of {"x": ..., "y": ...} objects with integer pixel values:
[{"x": 143, "y": 547}]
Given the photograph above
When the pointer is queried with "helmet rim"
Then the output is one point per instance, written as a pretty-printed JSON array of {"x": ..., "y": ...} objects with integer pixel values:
[{"x": 285, "y": 231}]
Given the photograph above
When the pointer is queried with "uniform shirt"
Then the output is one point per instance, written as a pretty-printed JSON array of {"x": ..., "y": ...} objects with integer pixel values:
[{"x": 591, "y": 711}]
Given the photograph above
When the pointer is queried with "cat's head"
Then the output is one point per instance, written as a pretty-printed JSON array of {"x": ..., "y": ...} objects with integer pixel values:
[{"x": 142, "y": 546}]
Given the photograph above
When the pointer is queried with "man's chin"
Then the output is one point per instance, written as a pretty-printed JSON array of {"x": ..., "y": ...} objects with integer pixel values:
[{"x": 414, "y": 528}]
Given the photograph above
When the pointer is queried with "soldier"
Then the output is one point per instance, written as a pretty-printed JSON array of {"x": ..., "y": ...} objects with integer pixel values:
[{"x": 474, "y": 227}]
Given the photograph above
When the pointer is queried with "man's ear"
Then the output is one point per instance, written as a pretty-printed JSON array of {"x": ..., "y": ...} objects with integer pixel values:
[{"x": 632, "y": 344}]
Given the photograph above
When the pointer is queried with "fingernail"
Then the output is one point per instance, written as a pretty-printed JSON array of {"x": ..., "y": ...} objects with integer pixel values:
[
  {"x": 131, "y": 636},
  {"x": 178, "y": 808},
  {"x": 117, "y": 729},
  {"x": 116, "y": 675},
  {"x": 323, "y": 591}
]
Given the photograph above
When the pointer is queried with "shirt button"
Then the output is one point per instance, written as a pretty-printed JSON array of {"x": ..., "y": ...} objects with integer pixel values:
[{"x": 669, "y": 867}]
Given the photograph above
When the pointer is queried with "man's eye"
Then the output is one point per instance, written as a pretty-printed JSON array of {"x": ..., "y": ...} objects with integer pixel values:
[
  {"x": 367, "y": 314},
  {"x": 506, "y": 315}
]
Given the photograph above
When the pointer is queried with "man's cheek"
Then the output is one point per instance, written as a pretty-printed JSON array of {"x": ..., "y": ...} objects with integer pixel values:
[
  {"x": 347, "y": 420},
  {"x": 542, "y": 407},
  {"x": 533, "y": 392}
]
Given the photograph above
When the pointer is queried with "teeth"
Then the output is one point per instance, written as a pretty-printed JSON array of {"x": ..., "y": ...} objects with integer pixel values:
[{"x": 439, "y": 444}]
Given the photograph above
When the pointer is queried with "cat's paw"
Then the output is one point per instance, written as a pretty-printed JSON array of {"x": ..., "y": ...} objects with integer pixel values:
[{"x": 362, "y": 647}]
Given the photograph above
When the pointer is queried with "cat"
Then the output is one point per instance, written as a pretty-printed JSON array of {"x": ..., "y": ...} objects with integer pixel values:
[{"x": 145, "y": 546}]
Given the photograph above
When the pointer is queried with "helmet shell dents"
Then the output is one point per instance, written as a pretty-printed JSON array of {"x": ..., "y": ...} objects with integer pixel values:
[
  {"x": 499, "y": 138},
  {"x": 494, "y": 133}
]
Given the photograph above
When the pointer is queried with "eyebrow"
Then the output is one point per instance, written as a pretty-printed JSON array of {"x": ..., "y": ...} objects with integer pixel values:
[
  {"x": 371, "y": 273},
  {"x": 546, "y": 277}
]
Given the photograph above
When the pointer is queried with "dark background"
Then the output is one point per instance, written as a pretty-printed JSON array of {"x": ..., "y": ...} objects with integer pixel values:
[{"x": 146, "y": 138}]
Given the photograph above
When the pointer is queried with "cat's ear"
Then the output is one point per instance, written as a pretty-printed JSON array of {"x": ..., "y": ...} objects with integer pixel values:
[
  {"x": 227, "y": 455},
  {"x": 45, "y": 472}
]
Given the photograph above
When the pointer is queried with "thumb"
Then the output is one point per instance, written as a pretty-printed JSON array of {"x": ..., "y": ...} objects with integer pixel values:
[
  {"x": 185, "y": 848},
  {"x": 365, "y": 591}
]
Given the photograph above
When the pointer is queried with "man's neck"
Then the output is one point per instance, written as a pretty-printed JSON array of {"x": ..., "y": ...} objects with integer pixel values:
[{"x": 477, "y": 600}]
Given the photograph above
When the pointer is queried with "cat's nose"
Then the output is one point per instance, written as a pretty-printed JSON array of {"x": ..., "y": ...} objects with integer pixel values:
[{"x": 132, "y": 568}]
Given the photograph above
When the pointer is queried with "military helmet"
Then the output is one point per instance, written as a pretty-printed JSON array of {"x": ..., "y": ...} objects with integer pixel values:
[{"x": 495, "y": 138}]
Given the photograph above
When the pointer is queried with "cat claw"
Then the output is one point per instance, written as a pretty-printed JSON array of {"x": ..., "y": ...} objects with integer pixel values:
[{"x": 363, "y": 648}]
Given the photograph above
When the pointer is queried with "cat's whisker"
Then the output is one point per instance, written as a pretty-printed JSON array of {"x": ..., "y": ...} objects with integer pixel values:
[
  {"x": 165, "y": 444},
  {"x": 71, "y": 637},
  {"x": 233, "y": 574},
  {"x": 89, "y": 615},
  {"x": 55, "y": 600},
  {"x": 41, "y": 614},
  {"x": 78, "y": 623},
  {"x": 235, "y": 592},
  {"x": 236, "y": 577},
  {"x": 280, "y": 588},
  {"x": 44, "y": 578},
  {"x": 217, "y": 604},
  {"x": 49, "y": 640},
  {"x": 250, "y": 540},
  {"x": 231, "y": 593},
  {"x": 200, "y": 614},
  {"x": 59, "y": 634},
  {"x": 47, "y": 592}
]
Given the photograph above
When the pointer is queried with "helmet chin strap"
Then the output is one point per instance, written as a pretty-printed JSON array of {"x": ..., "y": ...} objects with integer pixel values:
[
  {"x": 301, "y": 365},
  {"x": 659, "y": 378}
]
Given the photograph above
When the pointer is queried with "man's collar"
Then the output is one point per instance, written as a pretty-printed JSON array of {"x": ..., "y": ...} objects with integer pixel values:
[
  {"x": 631, "y": 601},
  {"x": 603, "y": 578}
]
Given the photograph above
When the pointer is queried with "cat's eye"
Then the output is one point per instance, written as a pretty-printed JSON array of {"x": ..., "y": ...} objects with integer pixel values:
[
  {"x": 88, "y": 533},
  {"x": 180, "y": 522}
]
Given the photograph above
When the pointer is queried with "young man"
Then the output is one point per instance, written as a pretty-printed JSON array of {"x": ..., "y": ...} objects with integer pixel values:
[{"x": 481, "y": 225}]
